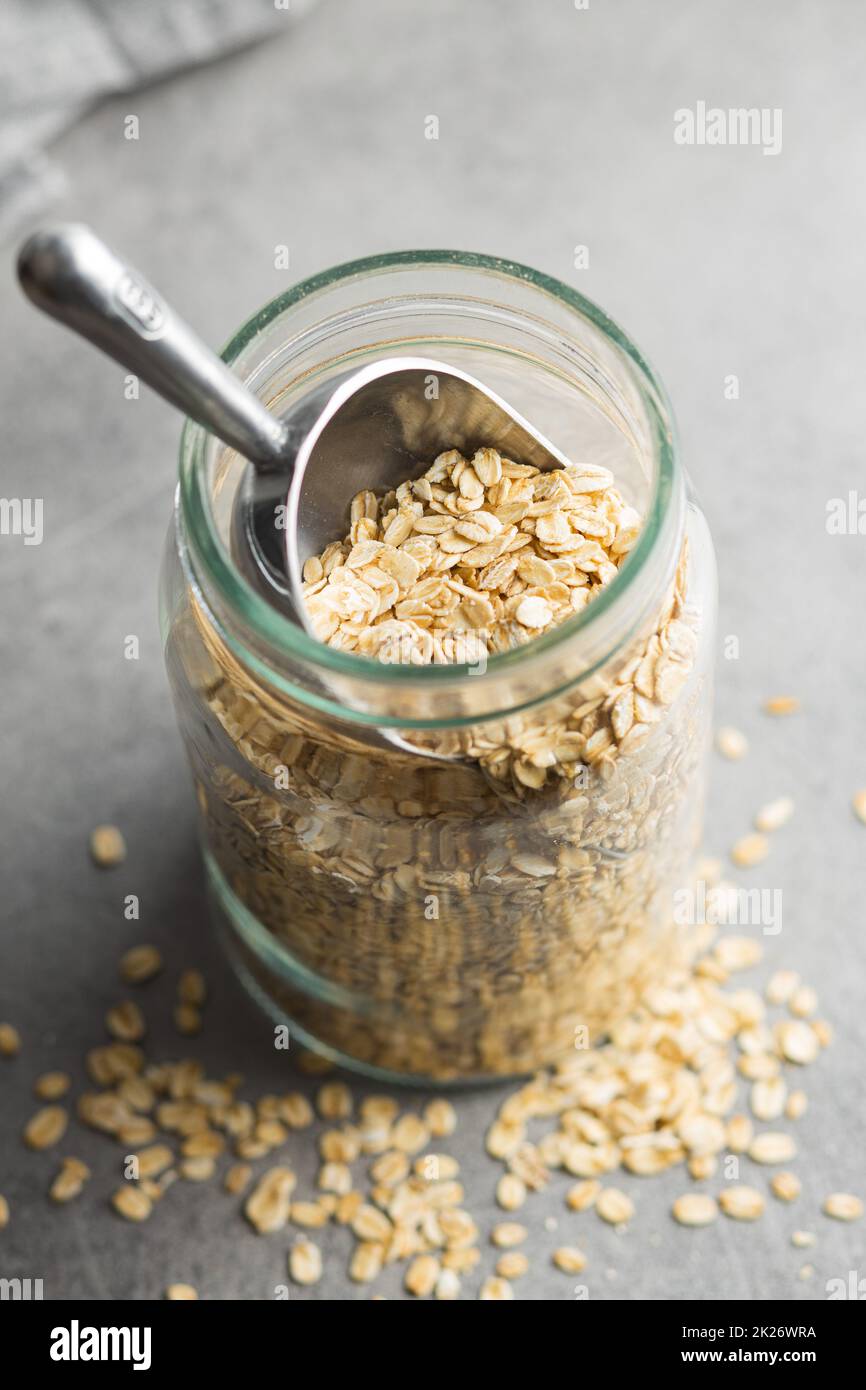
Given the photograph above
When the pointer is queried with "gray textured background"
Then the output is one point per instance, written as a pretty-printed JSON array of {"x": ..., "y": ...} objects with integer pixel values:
[{"x": 556, "y": 129}]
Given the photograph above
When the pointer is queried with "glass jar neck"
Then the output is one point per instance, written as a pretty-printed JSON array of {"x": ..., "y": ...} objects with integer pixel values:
[{"x": 558, "y": 360}]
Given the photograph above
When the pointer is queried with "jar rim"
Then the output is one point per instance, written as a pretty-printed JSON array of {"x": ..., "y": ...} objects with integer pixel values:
[{"x": 276, "y": 630}]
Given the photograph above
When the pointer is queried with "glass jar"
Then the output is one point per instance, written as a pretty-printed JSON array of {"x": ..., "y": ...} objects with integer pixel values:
[{"x": 477, "y": 907}]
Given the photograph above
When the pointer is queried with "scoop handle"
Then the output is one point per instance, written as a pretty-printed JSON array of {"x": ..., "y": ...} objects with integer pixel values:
[{"x": 70, "y": 274}]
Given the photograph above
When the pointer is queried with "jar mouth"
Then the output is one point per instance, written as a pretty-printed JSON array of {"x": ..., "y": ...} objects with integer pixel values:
[{"x": 276, "y": 632}]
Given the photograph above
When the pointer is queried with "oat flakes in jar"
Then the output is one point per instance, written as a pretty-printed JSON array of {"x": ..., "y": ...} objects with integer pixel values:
[{"x": 491, "y": 883}]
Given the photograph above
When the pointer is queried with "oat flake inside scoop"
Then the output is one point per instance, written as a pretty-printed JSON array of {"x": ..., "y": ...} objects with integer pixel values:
[{"x": 479, "y": 554}]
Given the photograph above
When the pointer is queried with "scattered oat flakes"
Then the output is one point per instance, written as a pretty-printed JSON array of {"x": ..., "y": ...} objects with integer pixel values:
[
  {"x": 695, "y": 1025},
  {"x": 199, "y": 1169},
  {"x": 803, "y": 1239},
  {"x": 569, "y": 1259},
  {"x": 786, "y": 1186},
  {"x": 192, "y": 989},
  {"x": 614, "y": 1206},
  {"x": 702, "y": 1166},
  {"x": 803, "y": 1003},
  {"x": 296, "y": 1111},
  {"x": 305, "y": 1262},
  {"x": 462, "y": 1259},
  {"x": 311, "y": 1215},
  {"x": 205, "y": 1143},
  {"x": 447, "y": 1286},
  {"x": 797, "y": 1041},
  {"x": 348, "y": 1204},
  {"x": 741, "y": 1203},
  {"x": 695, "y": 1209},
  {"x": 139, "y": 964},
  {"x": 772, "y": 1146},
  {"x": 775, "y": 814},
  {"x": 796, "y": 1105},
  {"x": 335, "y": 1145},
  {"x": 51, "y": 1085},
  {"x": 510, "y": 1192},
  {"x": 103, "y": 1111},
  {"x": 187, "y": 1019},
  {"x": 126, "y": 1022},
  {"x": 458, "y": 1228},
  {"x": 138, "y": 1129},
  {"x": 758, "y": 1066},
  {"x": 702, "y": 1133},
  {"x": 107, "y": 846},
  {"x": 117, "y": 1061},
  {"x": 750, "y": 850},
  {"x": 181, "y": 1293},
  {"x": 781, "y": 705},
  {"x": 267, "y": 1207},
  {"x": 440, "y": 1118},
  {"x": 768, "y": 1098},
  {"x": 70, "y": 1181},
  {"x": 507, "y": 1234},
  {"x": 781, "y": 985},
  {"x": 843, "y": 1206},
  {"x": 334, "y": 1101},
  {"x": 708, "y": 870},
  {"x": 823, "y": 1032},
  {"x": 10, "y": 1040},
  {"x": 381, "y": 1111},
  {"x": 366, "y": 1263},
  {"x": 495, "y": 1289},
  {"x": 422, "y": 1275},
  {"x": 582, "y": 1195},
  {"x": 410, "y": 1134},
  {"x": 504, "y": 1139},
  {"x": 859, "y": 805},
  {"x": 369, "y": 1223},
  {"x": 154, "y": 1160},
  {"x": 335, "y": 1177},
  {"x": 436, "y": 1167},
  {"x": 132, "y": 1203},
  {"x": 731, "y": 743},
  {"x": 4, "y": 1212},
  {"x": 237, "y": 1178},
  {"x": 738, "y": 1135},
  {"x": 46, "y": 1128},
  {"x": 645, "y": 1160},
  {"x": 526, "y": 1163},
  {"x": 738, "y": 952},
  {"x": 390, "y": 1168},
  {"x": 512, "y": 1265}
]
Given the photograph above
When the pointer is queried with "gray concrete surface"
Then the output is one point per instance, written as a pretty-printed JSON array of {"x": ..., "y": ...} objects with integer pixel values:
[{"x": 556, "y": 129}]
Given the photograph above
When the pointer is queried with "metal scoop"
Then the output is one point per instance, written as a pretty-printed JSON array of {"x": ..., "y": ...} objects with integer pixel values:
[{"x": 371, "y": 427}]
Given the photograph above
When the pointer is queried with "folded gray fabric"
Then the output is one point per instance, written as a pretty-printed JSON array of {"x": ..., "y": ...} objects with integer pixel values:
[{"x": 59, "y": 57}]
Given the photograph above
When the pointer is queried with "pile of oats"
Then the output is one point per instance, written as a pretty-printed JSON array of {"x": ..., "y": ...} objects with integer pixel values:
[{"x": 667, "y": 1090}]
